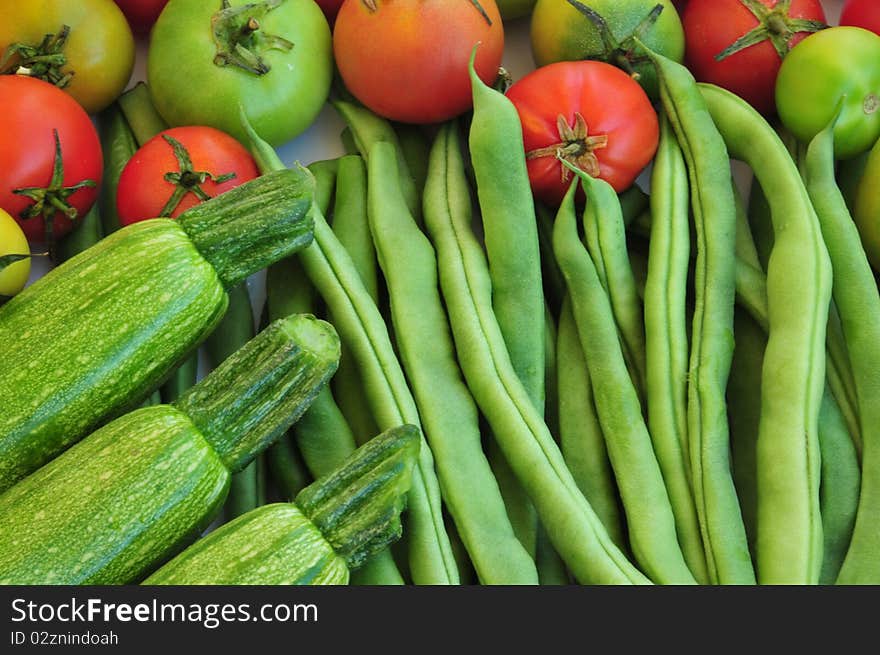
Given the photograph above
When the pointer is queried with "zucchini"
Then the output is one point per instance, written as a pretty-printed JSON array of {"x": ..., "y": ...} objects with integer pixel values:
[
  {"x": 98, "y": 334},
  {"x": 333, "y": 526},
  {"x": 124, "y": 499}
]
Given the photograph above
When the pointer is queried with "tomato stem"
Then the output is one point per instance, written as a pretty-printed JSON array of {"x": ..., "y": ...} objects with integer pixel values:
[
  {"x": 575, "y": 146},
  {"x": 186, "y": 179},
  {"x": 53, "y": 198},
  {"x": 774, "y": 24},
  {"x": 239, "y": 39},
  {"x": 44, "y": 60}
]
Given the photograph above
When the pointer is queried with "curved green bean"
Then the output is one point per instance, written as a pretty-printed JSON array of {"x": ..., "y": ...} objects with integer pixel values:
[{"x": 789, "y": 543}]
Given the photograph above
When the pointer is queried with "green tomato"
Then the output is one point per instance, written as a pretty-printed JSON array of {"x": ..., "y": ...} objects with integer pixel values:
[
  {"x": 272, "y": 57},
  {"x": 866, "y": 210},
  {"x": 837, "y": 67},
  {"x": 561, "y": 32},
  {"x": 13, "y": 276},
  {"x": 511, "y": 9}
]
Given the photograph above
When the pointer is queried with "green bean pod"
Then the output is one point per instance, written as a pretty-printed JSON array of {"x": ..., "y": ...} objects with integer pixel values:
[
  {"x": 118, "y": 146},
  {"x": 573, "y": 527},
  {"x": 360, "y": 325},
  {"x": 286, "y": 468},
  {"x": 88, "y": 232},
  {"x": 554, "y": 283},
  {"x": 858, "y": 303},
  {"x": 714, "y": 210},
  {"x": 448, "y": 412},
  {"x": 666, "y": 346},
  {"x": 789, "y": 542},
  {"x": 580, "y": 433},
  {"x": 650, "y": 521},
  {"x": 140, "y": 113}
]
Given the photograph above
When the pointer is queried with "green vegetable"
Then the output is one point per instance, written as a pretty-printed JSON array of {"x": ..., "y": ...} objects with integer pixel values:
[
  {"x": 117, "y": 145},
  {"x": 332, "y": 526},
  {"x": 789, "y": 542},
  {"x": 130, "y": 308},
  {"x": 86, "y": 234},
  {"x": 144, "y": 485},
  {"x": 447, "y": 411},
  {"x": 713, "y": 205}
]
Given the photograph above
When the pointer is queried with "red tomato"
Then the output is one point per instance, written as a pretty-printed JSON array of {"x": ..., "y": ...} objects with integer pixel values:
[
  {"x": 34, "y": 112},
  {"x": 330, "y": 9},
  {"x": 711, "y": 26},
  {"x": 862, "y": 13},
  {"x": 407, "y": 60},
  {"x": 179, "y": 168},
  {"x": 593, "y": 110},
  {"x": 141, "y": 14}
]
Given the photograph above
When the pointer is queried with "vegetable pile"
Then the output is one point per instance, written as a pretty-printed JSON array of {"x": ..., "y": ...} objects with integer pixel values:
[{"x": 616, "y": 321}]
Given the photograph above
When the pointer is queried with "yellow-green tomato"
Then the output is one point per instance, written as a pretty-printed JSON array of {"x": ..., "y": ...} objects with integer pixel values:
[
  {"x": 271, "y": 57},
  {"x": 837, "y": 67},
  {"x": 866, "y": 210},
  {"x": 12, "y": 242},
  {"x": 92, "y": 60}
]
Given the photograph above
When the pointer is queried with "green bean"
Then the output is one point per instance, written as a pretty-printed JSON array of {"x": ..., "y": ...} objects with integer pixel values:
[
  {"x": 789, "y": 542},
  {"x": 325, "y": 172},
  {"x": 360, "y": 325},
  {"x": 510, "y": 235},
  {"x": 352, "y": 228},
  {"x": 140, "y": 113},
  {"x": 182, "y": 379},
  {"x": 554, "y": 284},
  {"x": 849, "y": 175},
  {"x": 666, "y": 345},
  {"x": 581, "y": 438},
  {"x": 858, "y": 302},
  {"x": 714, "y": 210},
  {"x": 746, "y": 248},
  {"x": 118, "y": 146},
  {"x": 448, "y": 413},
  {"x": 606, "y": 243},
  {"x": 286, "y": 468},
  {"x": 87, "y": 232},
  {"x": 633, "y": 202},
  {"x": 416, "y": 149},
  {"x": 366, "y": 129},
  {"x": 572, "y": 525},
  {"x": 650, "y": 521}
]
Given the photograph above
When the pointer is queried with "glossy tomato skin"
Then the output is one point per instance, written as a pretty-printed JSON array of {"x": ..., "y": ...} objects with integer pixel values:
[
  {"x": 13, "y": 242},
  {"x": 189, "y": 88},
  {"x": 141, "y": 14},
  {"x": 31, "y": 110},
  {"x": 710, "y": 26},
  {"x": 862, "y": 13},
  {"x": 839, "y": 66},
  {"x": 143, "y": 191},
  {"x": 611, "y": 103},
  {"x": 407, "y": 60},
  {"x": 99, "y": 49}
]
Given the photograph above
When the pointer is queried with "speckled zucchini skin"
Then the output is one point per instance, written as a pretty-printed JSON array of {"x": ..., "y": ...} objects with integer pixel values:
[
  {"x": 271, "y": 545},
  {"x": 96, "y": 335},
  {"x": 115, "y": 506}
]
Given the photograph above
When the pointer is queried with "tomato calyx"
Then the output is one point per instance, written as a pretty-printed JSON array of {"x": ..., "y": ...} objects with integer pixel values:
[
  {"x": 186, "y": 180},
  {"x": 53, "y": 198},
  {"x": 43, "y": 61},
  {"x": 620, "y": 52},
  {"x": 576, "y": 146},
  {"x": 240, "y": 39},
  {"x": 774, "y": 24}
]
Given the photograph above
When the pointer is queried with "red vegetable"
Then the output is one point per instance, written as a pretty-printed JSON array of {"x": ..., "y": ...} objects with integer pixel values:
[
  {"x": 50, "y": 158},
  {"x": 596, "y": 115},
  {"x": 179, "y": 168},
  {"x": 739, "y": 44},
  {"x": 862, "y": 13}
]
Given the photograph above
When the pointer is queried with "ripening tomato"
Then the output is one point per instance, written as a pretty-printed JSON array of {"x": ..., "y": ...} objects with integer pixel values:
[
  {"x": 13, "y": 274},
  {"x": 178, "y": 168},
  {"x": 92, "y": 60},
  {"x": 407, "y": 60},
  {"x": 739, "y": 45},
  {"x": 50, "y": 157},
  {"x": 862, "y": 13},
  {"x": 594, "y": 114}
]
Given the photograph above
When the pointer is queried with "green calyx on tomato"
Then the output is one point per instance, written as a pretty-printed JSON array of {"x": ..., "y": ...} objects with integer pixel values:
[
  {"x": 53, "y": 198},
  {"x": 837, "y": 68},
  {"x": 239, "y": 38},
  {"x": 186, "y": 180},
  {"x": 44, "y": 60},
  {"x": 775, "y": 25}
]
